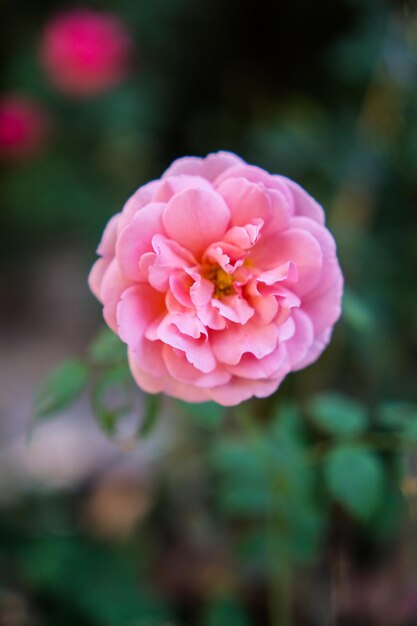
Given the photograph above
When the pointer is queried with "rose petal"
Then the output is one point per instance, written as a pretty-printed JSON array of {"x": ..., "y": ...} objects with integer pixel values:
[
  {"x": 195, "y": 218},
  {"x": 304, "y": 204},
  {"x": 238, "y": 390},
  {"x": 174, "y": 184},
  {"x": 234, "y": 308},
  {"x": 95, "y": 277},
  {"x": 167, "y": 384},
  {"x": 108, "y": 241},
  {"x": 181, "y": 369},
  {"x": 302, "y": 338},
  {"x": 113, "y": 285},
  {"x": 267, "y": 367},
  {"x": 210, "y": 167},
  {"x": 230, "y": 344},
  {"x": 136, "y": 239},
  {"x": 196, "y": 348},
  {"x": 296, "y": 245},
  {"x": 139, "y": 306}
]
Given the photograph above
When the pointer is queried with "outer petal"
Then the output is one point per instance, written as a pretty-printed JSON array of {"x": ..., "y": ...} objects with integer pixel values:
[
  {"x": 138, "y": 200},
  {"x": 107, "y": 244},
  {"x": 136, "y": 239},
  {"x": 238, "y": 390},
  {"x": 325, "y": 310},
  {"x": 315, "y": 350},
  {"x": 195, "y": 218},
  {"x": 304, "y": 203},
  {"x": 95, "y": 277},
  {"x": 209, "y": 167},
  {"x": 139, "y": 306},
  {"x": 258, "y": 175},
  {"x": 174, "y": 184},
  {"x": 298, "y": 345},
  {"x": 113, "y": 285},
  {"x": 166, "y": 384}
]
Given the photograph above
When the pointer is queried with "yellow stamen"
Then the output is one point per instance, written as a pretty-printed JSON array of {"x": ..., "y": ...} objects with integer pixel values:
[{"x": 223, "y": 282}]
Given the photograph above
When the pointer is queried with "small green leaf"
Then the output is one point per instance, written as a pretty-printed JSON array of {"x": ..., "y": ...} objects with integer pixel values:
[
  {"x": 107, "y": 348},
  {"x": 249, "y": 498},
  {"x": 151, "y": 411},
  {"x": 357, "y": 314},
  {"x": 60, "y": 388},
  {"x": 110, "y": 398},
  {"x": 338, "y": 414},
  {"x": 240, "y": 458},
  {"x": 355, "y": 478},
  {"x": 397, "y": 414},
  {"x": 409, "y": 433}
]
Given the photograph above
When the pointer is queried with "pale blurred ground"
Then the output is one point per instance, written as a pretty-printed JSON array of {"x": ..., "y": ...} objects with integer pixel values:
[{"x": 54, "y": 321}]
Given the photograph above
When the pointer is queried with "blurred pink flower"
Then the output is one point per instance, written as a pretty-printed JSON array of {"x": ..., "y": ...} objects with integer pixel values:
[
  {"x": 221, "y": 278},
  {"x": 85, "y": 52},
  {"x": 23, "y": 127}
]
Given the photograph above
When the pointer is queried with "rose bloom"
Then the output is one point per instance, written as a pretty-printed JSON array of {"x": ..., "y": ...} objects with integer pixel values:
[
  {"x": 85, "y": 52},
  {"x": 23, "y": 128},
  {"x": 221, "y": 278}
]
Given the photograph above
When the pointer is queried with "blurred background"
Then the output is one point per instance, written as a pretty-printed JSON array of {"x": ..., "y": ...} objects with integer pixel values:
[{"x": 100, "y": 527}]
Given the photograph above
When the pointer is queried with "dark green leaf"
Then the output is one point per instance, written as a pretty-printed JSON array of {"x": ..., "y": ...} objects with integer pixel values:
[
  {"x": 151, "y": 410},
  {"x": 239, "y": 458},
  {"x": 355, "y": 478},
  {"x": 409, "y": 433},
  {"x": 111, "y": 398},
  {"x": 247, "y": 498},
  {"x": 338, "y": 414},
  {"x": 397, "y": 414},
  {"x": 107, "y": 348},
  {"x": 208, "y": 414},
  {"x": 60, "y": 388},
  {"x": 357, "y": 313}
]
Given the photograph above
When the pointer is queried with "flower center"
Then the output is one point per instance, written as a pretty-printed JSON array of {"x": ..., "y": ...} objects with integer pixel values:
[{"x": 223, "y": 282}]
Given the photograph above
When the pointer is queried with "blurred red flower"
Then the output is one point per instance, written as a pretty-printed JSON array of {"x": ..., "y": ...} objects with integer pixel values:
[
  {"x": 85, "y": 52},
  {"x": 23, "y": 127}
]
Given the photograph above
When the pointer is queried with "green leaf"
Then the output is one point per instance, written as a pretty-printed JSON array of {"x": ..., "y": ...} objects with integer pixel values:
[
  {"x": 241, "y": 459},
  {"x": 397, "y": 414},
  {"x": 60, "y": 388},
  {"x": 207, "y": 414},
  {"x": 151, "y": 411},
  {"x": 107, "y": 348},
  {"x": 409, "y": 433},
  {"x": 111, "y": 398},
  {"x": 355, "y": 478},
  {"x": 249, "y": 498},
  {"x": 357, "y": 314},
  {"x": 337, "y": 414}
]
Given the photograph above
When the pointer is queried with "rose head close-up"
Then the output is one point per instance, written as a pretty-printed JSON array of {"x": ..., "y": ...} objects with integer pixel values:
[
  {"x": 85, "y": 52},
  {"x": 221, "y": 279}
]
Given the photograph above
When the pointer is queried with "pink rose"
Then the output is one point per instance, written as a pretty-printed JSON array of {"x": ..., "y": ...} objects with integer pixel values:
[
  {"x": 220, "y": 278},
  {"x": 23, "y": 128},
  {"x": 85, "y": 52}
]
